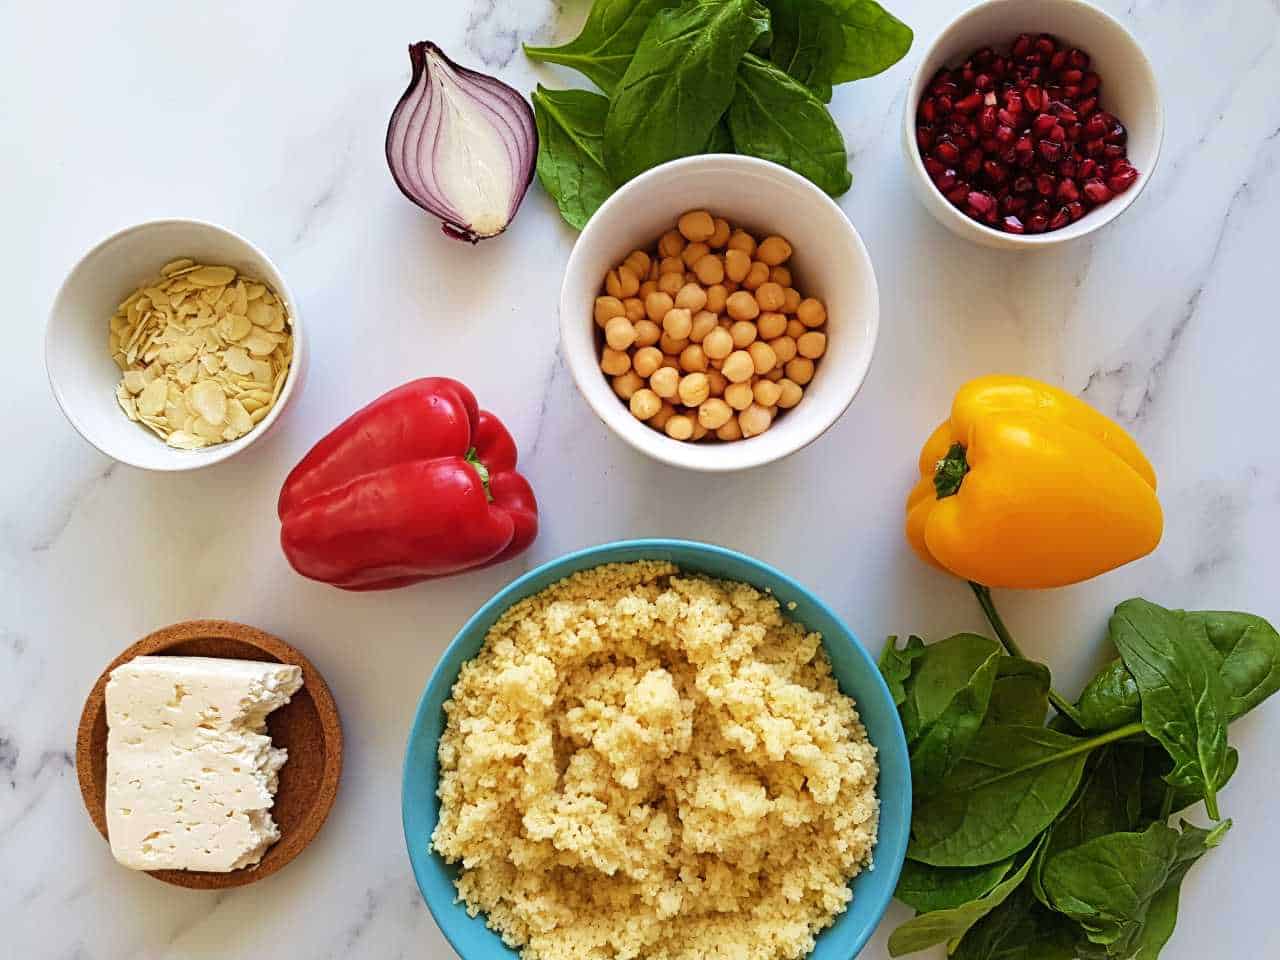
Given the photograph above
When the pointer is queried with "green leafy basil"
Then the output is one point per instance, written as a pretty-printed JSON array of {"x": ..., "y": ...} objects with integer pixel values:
[
  {"x": 949, "y": 925},
  {"x": 570, "y": 164},
  {"x": 1184, "y": 701},
  {"x": 1019, "y": 929},
  {"x": 1012, "y": 783},
  {"x": 607, "y": 42},
  {"x": 896, "y": 665},
  {"x": 927, "y": 888},
  {"x": 874, "y": 39},
  {"x": 808, "y": 43},
  {"x": 776, "y": 117},
  {"x": 1020, "y": 693},
  {"x": 679, "y": 83}
]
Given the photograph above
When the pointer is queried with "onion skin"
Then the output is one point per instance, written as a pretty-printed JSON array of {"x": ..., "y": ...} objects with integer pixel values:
[{"x": 411, "y": 132}]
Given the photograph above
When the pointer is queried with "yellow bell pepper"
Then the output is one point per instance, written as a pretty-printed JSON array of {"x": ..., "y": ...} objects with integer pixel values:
[{"x": 1028, "y": 486}]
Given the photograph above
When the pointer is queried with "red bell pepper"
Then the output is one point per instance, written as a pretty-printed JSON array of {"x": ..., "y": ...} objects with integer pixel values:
[{"x": 421, "y": 483}]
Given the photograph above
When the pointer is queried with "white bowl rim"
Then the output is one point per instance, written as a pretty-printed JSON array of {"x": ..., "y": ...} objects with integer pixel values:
[
  {"x": 184, "y": 460},
  {"x": 676, "y": 453},
  {"x": 1085, "y": 225}
]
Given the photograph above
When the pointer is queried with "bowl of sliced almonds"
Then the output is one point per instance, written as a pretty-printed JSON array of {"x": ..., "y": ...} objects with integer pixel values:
[{"x": 173, "y": 345}]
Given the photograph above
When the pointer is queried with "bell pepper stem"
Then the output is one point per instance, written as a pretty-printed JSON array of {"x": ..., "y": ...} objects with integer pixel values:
[
  {"x": 473, "y": 458},
  {"x": 1060, "y": 703},
  {"x": 950, "y": 471}
]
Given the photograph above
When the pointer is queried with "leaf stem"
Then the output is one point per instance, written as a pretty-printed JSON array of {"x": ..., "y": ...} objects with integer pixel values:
[
  {"x": 1082, "y": 746},
  {"x": 1060, "y": 703}
]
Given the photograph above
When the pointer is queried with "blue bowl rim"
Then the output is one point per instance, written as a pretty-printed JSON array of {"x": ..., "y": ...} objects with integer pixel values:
[{"x": 891, "y": 858}]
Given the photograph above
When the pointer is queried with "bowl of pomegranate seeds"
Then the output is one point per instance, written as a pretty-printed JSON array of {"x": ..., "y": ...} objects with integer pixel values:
[{"x": 1032, "y": 122}]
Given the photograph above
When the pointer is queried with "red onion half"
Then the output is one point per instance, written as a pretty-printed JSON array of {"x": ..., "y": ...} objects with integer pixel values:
[{"x": 461, "y": 145}]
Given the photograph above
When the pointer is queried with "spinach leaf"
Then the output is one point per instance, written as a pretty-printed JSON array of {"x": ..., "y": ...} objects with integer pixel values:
[
  {"x": 927, "y": 888},
  {"x": 896, "y": 665},
  {"x": 570, "y": 165},
  {"x": 1019, "y": 929},
  {"x": 874, "y": 39},
  {"x": 1159, "y": 799},
  {"x": 607, "y": 42},
  {"x": 1012, "y": 783},
  {"x": 1184, "y": 702},
  {"x": 948, "y": 926},
  {"x": 1250, "y": 650},
  {"x": 1110, "y": 699},
  {"x": 776, "y": 117},
  {"x": 1020, "y": 693},
  {"x": 679, "y": 83},
  {"x": 721, "y": 140},
  {"x": 950, "y": 689},
  {"x": 1163, "y": 912},
  {"x": 808, "y": 43}
]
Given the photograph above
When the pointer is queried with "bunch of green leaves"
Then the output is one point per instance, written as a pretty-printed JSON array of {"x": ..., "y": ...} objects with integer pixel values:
[
  {"x": 683, "y": 77},
  {"x": 1050, "y": 841}
]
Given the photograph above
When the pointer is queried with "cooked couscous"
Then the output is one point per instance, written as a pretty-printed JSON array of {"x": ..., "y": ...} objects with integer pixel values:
[{"x": 645, "y": 764}]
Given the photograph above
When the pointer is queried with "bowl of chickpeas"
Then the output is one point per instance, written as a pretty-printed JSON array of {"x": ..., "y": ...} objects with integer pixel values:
[{"x": 719, "y": 312}]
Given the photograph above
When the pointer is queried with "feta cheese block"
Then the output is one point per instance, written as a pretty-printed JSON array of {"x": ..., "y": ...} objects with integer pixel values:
[{"x": 191, "y": 773}]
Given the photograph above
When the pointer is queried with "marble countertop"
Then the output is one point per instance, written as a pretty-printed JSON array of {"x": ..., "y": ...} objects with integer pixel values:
[{"x": 269, "y": 118}]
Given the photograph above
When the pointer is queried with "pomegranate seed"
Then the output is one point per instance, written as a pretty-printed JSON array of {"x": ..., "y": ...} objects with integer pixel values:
[
  {"x": 958, "y": 194},
  {"x": 1067, "y": 168},
  {"x": 1095, "y": 126},
  {"x": 1046, "y": 44},
  {"x": 1113, "y": 151},
  {"x": 1011, "y": 204},
  {"x": 1076, "y": 210},
  {"x": 1058, "y": 61},
  {"x": 1012, "y": 224},
  {"x": 1042, "y": 208},
  {"x": 1043, "y": 124},
  {"x": 1073, "y": 132},
  {"x": 970, "y": 103},
  {"x": 981, "y": 203},
  {"x": 1037, "y": 222},
  {"x": 1025, "y": 147},
  {"x": 990, "y": 145},
  {"x": 962, "y": 141},
  {"x": 949, "y": 153},
  {"x": 987, "y": 119},
  {"x": 1068, "y": 192},
  {"x": 1094, "y": 148},
  {"x": 1090, "y": 83},
  {"x": 983, "y": 81},
  {"x": 1122, "y": 181},
  {"x": 1022, "y": 45},
  {"x": 1087, "y": 106},
  {"x": 1060, "y": 219},
  {"x": 1072, "y": 77},
  {"x": 1046, "y": 184},
  {"x": 1004, "y": 134},
  {"x": 1023, "y": 184},
  {"x": 1050, "y": 150},
  {"x": 995, "y": 171},
  {"x": 1096, "y": 192},
  {"x": 999, "y": 66},
  {"x": 1058, "y": 134},
  {"x": 1013, "y": 102},
  {"x": 1117, "y": 133},
  {"x": 943, "y": 105},
  {"x": 1034, "y": 97},
  {"x": 1087, "y": 169},
  {"x": 1007, "y": 117},
  {"x": 973, "y": 162},
  {"x": 1066, "y": 114},
  {"x": 924, "y": 137},
  {"x": 946, "y": 180}
]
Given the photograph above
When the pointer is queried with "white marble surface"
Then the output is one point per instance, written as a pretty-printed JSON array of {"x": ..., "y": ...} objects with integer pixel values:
[{"x": 269, "y": 117}]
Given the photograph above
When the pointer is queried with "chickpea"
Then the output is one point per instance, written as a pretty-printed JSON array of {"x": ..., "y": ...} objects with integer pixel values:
[
  {"x": 670, "y": 265},
  {"x": 699, "y": 431},
  {"x": 811, "y": 313},
  {"x": 672, "y": 346},
  {"x": 714, "y": 414},
  {"x": 738, "y": 366},
  {"x": 692, "y": 359},
  {"x": 693, "y": 253},
  {"x": 754, "y": 420},
  {"x": 717, "y": 294},
  {"x": 647, "y": 333},
  {"x": 731, "y": 287},
  {"x": 635, "y": 309},
  {"x": 677, "y": 322},
  {"x": 627, "y": 384},
  {"x": 615, "y": 362},
  {"x": 739, "y": 396},
  {"x": 766, "y": 393},
  {"x": 649, "y": 286},
  {"x": 800, "y": 370},
  {"x": 696, "y": 226},
  {"x": 730, "y": 431},
  {"x": 770, "y": 296},
  {"x": 639, "y": 262},
  {"x": 671, "y": 244},
  {"x": 721, "y": 236},
  {"x": 718, "y": 344},
  {"x": 812, "y": 345},
  {"x": 644, "y": 404},
  {"x": 771, "y": 325},
  {"x": 757, "y": 275},
  {"x": 659, "y": 420},
  {"x": 646, "y": 361},
  {"x": 792, "y": 303},
  {"x": 795, "y": 329},
  {"x": 679, "y": 427},
  {"x": 691, "y": 297},
  {"x": 744, "y": 333},
  {"x": 620, "y": 333},
  {"x": 776, "y": 374},
  {"x": 718, "y": 382},
  {"x": 622, "y": 282},
  {"x": 670, "y": 283},
  {"x": 784, "y": 348},
  {"x": 693, "y": 389},
  {"x": 781, "y": 276},
  {"x": 742, "y": 306},
  {"x": 741, "y": 240},
  {"x": 671, "y": 362},
  {"x": 657, "y": 304},
  {"x": 664, "y": 382},
  {"x": 704, "y": 321},
  {"x": 736, "y": 264},
  {"x": 607, "y": 308},
  {"x": 762, "y": 356},
  {"x": 790, "y": 393},
  {"x": 774, "y": 251},
  {"x": 710, "y": 269}
]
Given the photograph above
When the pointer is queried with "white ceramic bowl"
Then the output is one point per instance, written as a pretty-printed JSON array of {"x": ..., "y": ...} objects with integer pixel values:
[
  {"x": 829, "y": 262},
  {"x": 1129, "y": 92},
  {"x": 81, "y": 371}
]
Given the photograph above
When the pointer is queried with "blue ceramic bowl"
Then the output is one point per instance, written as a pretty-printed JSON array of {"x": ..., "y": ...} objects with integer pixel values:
[{"x": 854, "y": 669}]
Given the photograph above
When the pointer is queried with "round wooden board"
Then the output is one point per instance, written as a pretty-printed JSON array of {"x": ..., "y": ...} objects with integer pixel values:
[{"x": 308, "y": 727}]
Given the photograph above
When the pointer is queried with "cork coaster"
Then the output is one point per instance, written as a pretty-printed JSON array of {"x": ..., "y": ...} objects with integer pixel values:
[{"x": 308, "y": 727}]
